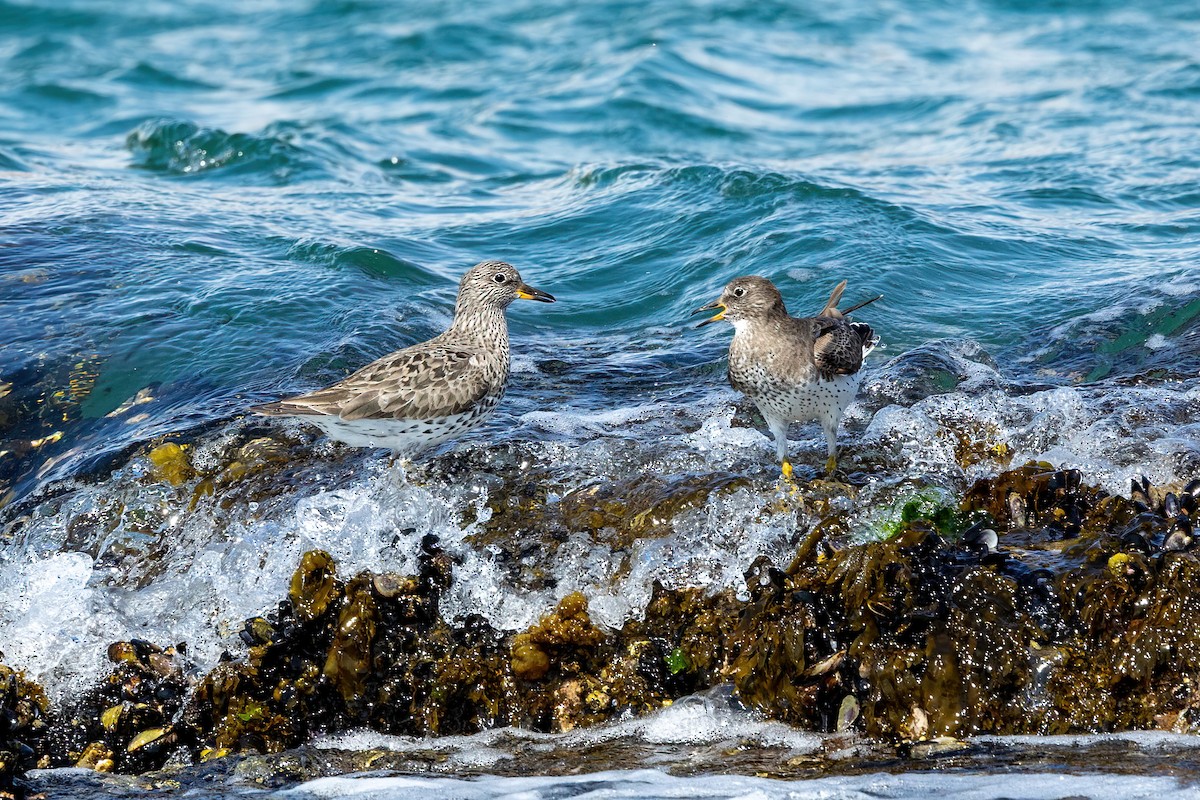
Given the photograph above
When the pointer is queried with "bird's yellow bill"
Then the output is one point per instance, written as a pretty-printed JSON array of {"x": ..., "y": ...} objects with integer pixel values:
[
  {"x": 720, "y": 315},
  {"x": 527, "y": 292}
]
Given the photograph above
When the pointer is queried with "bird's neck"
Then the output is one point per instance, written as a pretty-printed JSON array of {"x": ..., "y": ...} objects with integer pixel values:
[
  {"x": 752, "y": 326},
  {"x": 742, "y": 328},
  {"x": 483, "y": 324}
]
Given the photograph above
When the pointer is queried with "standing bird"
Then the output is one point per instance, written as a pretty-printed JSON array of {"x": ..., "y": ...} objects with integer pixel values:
[
  {"x": 794, "y": 368},
  {"x": 418, "y": 397}
]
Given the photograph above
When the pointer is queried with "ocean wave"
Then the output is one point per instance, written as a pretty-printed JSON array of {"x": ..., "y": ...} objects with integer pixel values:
[
  {"x": 155, "y": 77},
  {"x": 969, "y": 419},
  {"x": 1150, "y": 330},
  {"x": 710, "y": 721},
  {"x": 372, "y": 261},
  {"x": 176, "y": 147},
  {"x": 10, "y": 161}
]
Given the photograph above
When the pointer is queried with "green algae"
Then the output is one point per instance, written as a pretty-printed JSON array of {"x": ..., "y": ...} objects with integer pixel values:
[{"x": 933, "y": 505}]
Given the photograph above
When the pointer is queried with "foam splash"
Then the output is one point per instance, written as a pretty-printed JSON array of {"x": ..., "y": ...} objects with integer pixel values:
[
  {"x": 1111, "y": 432},
  {"x": 655, "y": 785},
  {"x": 710, "y": 718},
  {"x": 123, "y": 558},
  {"x": 194, "y": 577},
  {"x": 197, "y": 576}
]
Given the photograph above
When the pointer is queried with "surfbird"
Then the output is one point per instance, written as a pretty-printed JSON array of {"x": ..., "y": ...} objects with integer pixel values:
[
  {"x": 419, "y": 397},
  {"x": 795, "y": 369}
]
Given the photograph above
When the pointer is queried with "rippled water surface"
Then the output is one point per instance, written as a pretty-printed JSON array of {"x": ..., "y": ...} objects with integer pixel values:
[{"x": 206, "y": 205}]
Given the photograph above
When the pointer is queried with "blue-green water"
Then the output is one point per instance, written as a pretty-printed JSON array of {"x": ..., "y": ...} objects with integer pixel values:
[
  {"x": 231, "y": 202},
  {"x": 205, "y": 205}
]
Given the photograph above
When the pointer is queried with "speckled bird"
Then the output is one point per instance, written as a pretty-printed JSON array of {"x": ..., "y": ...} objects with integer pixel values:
[
  {"x": 418, "y": 397},
  {"x": 795, "y": 369}
]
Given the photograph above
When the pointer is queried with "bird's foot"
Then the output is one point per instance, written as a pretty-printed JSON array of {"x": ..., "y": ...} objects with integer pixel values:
[
  {"x": 400, "y": 467},
  {"x": 830, "y": 466},
  {"x": 787, "y": 482}
]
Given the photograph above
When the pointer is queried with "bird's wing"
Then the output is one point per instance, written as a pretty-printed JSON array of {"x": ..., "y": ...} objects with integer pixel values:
[
  {"x": 838, "y": 345},
  {"x": 420, "y": 382}
]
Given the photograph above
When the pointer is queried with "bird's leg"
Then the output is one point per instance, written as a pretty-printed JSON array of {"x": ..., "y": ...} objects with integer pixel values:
[
  {"x": 398, "y": 465},
  {"x": 779, "y": 431},
  {"x": 831, "y": 448}
]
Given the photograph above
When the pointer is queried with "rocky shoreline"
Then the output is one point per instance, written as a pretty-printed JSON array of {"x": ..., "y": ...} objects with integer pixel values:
[{"x": 1036, "y": 604}]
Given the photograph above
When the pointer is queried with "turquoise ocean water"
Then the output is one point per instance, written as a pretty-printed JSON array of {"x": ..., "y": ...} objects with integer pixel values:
[
  {"x": 234, "y": 202},
  {"x": 205, "y": 205}
]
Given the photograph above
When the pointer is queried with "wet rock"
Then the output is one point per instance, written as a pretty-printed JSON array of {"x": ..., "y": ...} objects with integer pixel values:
[
  {"x": 252, "y": 458},
  {"x": 124, "y": 723},
  {"x": 24, "y": 711},
  {"x": 938, "y": 367},
  {"x": 1035, "y": 603},
  {"x": 642, "y": 506},
  {"x": 527, "y": 523}
]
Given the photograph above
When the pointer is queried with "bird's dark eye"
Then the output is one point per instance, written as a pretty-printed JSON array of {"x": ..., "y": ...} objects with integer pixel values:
[
  {"x": 500, "y": 277},
  {"x": 738, "y": 292}
]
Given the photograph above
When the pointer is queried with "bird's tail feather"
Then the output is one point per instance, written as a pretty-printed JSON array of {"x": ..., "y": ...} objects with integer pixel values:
[
  {"x": 831, "y": 309},
  {"x": 275, "y": 409},
  {"x": 857, "y": 306},
  {"x": 866, "y": 335}
]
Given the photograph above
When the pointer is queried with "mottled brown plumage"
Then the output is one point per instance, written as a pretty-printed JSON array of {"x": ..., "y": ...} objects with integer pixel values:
[
  {"x": 422, "y": 395},
  {"x": 794, "y": 369}
]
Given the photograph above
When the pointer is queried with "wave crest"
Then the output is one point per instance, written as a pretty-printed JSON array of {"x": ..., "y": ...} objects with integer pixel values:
[{"x": 184, "y": 148}]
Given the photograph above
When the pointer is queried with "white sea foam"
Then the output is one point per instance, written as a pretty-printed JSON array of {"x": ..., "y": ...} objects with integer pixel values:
[
  {"x": 710, "y": 718},
  {"x": 46, "y": 615},
  {"x": 196, "y": 576},
  {"x": 579, "y": 422},
  {"x": 1145, "y": 741},
  {"x": 653, "y": 785},
  {"x": 1111, "y": 433},
  {"x": 1157, "y": 342},
  {"x": 210, "y": 575}
]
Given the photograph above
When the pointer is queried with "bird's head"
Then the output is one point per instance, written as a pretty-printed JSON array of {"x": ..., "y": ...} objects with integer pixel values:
[
  {"x": 747, "y": 298},
  {"x": 497, "y": 284}
]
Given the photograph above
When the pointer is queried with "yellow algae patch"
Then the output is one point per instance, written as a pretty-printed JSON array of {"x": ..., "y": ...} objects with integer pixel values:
[{"x": 169, "y": 462}]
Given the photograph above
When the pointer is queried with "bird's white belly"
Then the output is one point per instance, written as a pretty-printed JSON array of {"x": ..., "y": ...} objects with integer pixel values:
[
  {"x": 404, "y": 436},
  {"x": 821, "y": 400}
]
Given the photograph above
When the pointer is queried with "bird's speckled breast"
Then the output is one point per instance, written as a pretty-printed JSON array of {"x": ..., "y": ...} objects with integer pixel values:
[
  {"x": 766, "y": 362},
  {"x": 776, "y": 373},
  {"x": 820, "y": 399}
]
